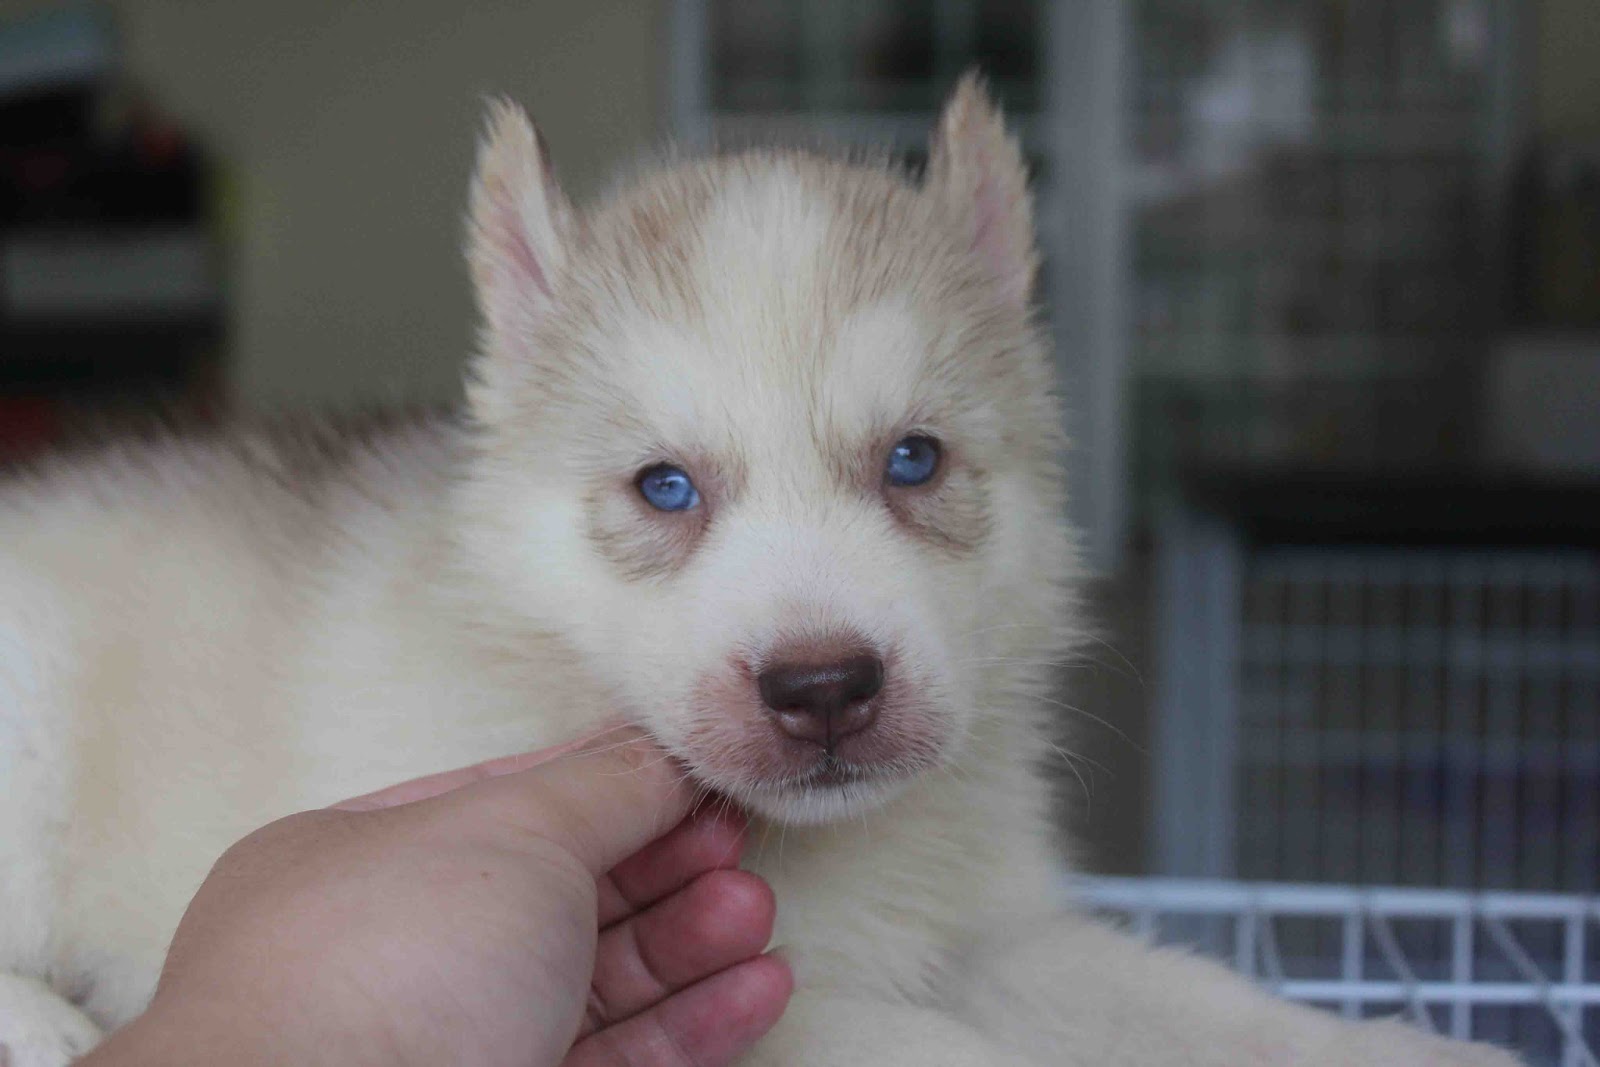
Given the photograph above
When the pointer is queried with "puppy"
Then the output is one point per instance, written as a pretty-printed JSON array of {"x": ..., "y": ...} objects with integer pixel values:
[{"x": 762, "y": 452}]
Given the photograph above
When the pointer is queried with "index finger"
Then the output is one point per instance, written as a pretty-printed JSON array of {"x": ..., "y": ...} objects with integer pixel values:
[
  {"x": 433, "y": 785},
  {"x": 600, "y": 803}
]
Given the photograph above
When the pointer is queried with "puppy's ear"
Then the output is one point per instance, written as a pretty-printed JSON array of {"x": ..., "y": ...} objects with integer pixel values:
[
  {"x": 519, "y": 223},
  {"x": 976, "y": 170}
]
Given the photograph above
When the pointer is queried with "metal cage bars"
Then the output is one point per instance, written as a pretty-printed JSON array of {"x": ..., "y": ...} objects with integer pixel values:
[{"x": 1486, "y": 964}]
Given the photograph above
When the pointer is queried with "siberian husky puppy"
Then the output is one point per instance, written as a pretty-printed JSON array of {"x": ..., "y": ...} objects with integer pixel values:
[{"x": 762, "y": 451}]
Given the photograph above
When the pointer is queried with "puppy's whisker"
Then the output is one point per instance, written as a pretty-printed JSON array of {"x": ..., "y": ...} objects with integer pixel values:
[
  {"x": 1109, "y": 647},
  {"x": 1092, "y": 717}
]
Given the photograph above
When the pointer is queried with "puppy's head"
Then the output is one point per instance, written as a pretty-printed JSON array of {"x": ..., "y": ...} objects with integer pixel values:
[{"x": 769, "y": 438}]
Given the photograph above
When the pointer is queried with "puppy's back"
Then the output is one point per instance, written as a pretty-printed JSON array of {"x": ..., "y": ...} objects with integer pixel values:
[{"x": 156, "y": 596}]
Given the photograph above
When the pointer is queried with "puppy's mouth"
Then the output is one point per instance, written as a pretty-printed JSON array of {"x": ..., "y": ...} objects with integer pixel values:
[
  {"x": 831, "y": 790},
  {"x": 834, "y": 773}
]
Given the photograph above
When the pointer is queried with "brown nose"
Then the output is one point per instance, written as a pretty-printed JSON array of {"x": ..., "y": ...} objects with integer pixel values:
[{"x": 823, "y": 703}]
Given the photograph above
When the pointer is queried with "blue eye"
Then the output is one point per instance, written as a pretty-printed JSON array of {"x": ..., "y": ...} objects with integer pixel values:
[
  {"x": 913, "y": 461},
  {"x": 667, "y": 488}
]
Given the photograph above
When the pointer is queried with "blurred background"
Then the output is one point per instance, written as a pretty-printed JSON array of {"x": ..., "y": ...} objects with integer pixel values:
[{"x": 1324, "y": 276}]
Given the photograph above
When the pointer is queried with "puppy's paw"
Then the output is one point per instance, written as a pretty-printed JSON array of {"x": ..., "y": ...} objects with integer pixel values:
[
  {"x": 39, "y": 1028},
  {"x": 1380, "y": 1044}
]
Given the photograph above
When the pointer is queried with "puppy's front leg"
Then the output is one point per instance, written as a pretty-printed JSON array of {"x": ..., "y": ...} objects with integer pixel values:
[
  {"x": 38, "y": 1028},
  {"x": 1074, "y": 990},
  {"x": 823, "y": 1031}
]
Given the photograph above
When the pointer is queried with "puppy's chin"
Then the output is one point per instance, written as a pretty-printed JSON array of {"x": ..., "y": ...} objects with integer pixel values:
[{"x": 818, "y": 801}]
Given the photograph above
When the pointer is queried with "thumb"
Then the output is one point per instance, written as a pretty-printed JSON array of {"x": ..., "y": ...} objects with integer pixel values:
[{"x": 601, "y": 803}]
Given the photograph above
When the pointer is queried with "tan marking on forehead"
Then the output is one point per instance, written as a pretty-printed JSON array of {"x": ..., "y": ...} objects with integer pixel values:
[
  {"x": 835, "y": 235},
  {"x": 644, "y": 248}
]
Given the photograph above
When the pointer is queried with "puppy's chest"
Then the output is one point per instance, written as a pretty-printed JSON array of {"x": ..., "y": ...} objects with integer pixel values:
[{"x": 868, "y": 910}]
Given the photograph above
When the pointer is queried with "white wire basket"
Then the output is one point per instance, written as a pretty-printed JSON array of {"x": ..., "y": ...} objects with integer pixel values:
[{"x": 1504, "y": 967}]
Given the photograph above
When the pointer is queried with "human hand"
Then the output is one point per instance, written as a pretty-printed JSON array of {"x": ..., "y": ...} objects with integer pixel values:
[{"x": 459, "y": 919}]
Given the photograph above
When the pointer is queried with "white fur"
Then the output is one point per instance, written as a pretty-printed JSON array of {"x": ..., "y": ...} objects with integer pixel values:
[{"x": 198, "y": 638}]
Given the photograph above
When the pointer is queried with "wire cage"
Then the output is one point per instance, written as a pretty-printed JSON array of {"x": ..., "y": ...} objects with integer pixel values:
[
  {"x": 1504, "y": 967},
  {"x": 1384, "y": 715},
  {"x": 1420, "y": 716}
]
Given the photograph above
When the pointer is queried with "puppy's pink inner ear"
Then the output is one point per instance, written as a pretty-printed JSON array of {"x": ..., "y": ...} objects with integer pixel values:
[
  {"x": 1004, "y": 247},
  {"x": 979, "y": 172},
  {"x": 520, "y": 220},
  {"x": 517, "y": 249}
]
